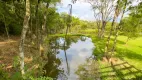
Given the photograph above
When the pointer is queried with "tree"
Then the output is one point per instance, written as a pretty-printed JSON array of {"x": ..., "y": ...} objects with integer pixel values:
[
  {"x": 119, "y": 11},
  {"x": 23, "y": 36},
  {"x": 130, "y": 27},
  {"x": 123, "y": 6},
  {"x": 112, "y": 26},
  {"x": 103, "y": 10}
]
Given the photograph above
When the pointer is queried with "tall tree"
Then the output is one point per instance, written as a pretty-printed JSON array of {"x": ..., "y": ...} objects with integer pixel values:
[
  {"x": 123, "y": 6},
  {"x": 23, "y": 36},
  {"x": 116, "y": 14}
]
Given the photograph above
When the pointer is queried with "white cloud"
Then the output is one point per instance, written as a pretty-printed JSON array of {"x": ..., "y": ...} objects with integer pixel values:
[
  {"x": 80, "y": 9},
  {"x": 76, "y": 55}
]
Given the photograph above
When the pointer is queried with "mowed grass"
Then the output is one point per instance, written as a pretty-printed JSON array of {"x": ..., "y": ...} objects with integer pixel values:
[{"x": 131, "y": 52}]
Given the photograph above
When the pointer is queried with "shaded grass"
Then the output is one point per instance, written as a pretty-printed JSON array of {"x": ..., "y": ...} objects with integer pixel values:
[{"x": 119, "y": 71}]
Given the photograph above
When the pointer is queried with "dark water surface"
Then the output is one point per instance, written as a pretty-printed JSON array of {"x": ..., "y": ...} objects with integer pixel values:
[{"x": 64, "y": 60}]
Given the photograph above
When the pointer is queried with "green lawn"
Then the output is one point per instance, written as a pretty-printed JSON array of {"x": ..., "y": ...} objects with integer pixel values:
[{"x": 130, "y": 53}]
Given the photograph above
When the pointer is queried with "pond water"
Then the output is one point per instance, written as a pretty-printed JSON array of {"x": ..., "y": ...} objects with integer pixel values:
[
  {"x": 75, "y": 56},
  {"x": 66, "y": 59}
]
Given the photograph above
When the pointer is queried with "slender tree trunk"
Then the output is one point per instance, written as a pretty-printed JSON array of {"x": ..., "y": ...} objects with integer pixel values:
[
  {"x": 37, "y": 29},
  {"x": 127, "y": 40},
  {"x": 111, "y": 30},
  {"x": 98, "y": 25},
  {"x": 42, "y": 31},
  {"x": 116, "y": 35},
  {"x": 103, "y": 29},
  {"x": 7, "y": 33},
  {"x": 31, "y": 29},
  {"x": 66, "y": 57},
  {"x": 99, "y": 31},
  {"x": 23, "y": 36},
  {"x": 102, "y": 26},
  {"x": 117, "y": 30}
]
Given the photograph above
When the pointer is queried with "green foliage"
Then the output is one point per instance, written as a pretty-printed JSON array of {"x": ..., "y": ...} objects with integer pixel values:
[
  {"x": 3, "y": 74},
  {"x": 130, "y": 27},
  {"x": 16, "y": 76},
  {"x": 15, "y": 61},
  {"x": 10, "y": 17},
  {"x": 15, "y": 29},
  {"x": 41, "y": 78}
]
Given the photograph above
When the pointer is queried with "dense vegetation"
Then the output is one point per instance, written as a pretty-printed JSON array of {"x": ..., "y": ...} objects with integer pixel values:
[{"x": 37, "y": 22}]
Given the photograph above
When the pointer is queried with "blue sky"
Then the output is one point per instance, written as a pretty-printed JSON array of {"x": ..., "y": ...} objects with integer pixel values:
[{"x": 80, "y": 9}]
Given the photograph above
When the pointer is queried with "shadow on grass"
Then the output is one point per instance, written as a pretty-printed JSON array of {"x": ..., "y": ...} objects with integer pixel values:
[
  {"x": 100, "y": 46},
  {"x": 122, "y": 53},
  {"x": 121, "y": 71}
]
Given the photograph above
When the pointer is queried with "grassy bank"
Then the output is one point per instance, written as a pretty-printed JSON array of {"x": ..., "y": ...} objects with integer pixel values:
[{"x": 130, "y": 52}]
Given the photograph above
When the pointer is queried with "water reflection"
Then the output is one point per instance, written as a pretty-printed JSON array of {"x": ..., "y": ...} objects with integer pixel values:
[
  {"x": 64, "y": 59},
  {"x": 89, "y": 70},
  {"x": 51, "y": 68}
]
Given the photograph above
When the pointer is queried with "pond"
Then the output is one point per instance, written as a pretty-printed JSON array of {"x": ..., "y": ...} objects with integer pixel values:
[{"x": 66, "y": 56}]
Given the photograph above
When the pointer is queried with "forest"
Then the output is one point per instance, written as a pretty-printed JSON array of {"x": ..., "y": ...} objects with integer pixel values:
[{"x": 38, "y": 42}]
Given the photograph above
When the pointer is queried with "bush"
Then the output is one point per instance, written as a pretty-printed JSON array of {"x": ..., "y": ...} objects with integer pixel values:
[
  {"x": 3, "y": 74},
  {"x": 15, "y": 30}
]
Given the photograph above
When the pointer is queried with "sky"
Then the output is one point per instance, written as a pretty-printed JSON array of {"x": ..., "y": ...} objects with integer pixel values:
[{"x": 81, "y": 9}]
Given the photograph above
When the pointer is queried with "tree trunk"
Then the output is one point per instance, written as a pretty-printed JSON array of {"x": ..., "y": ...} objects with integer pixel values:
[
  {"x": 103, "y": 29},
  {"x": 127, "y": 41},
  {"x": 7, "y": 33},
  {"x": 42, "y": 31},
  {"x": 23, "y": 36},
  {"x": 36, "y": 24},
  {"x": 111, "y": 30},
  {"x": 66, "y": 57},
  {"x": 117, "y": 30},
  {"x": 98, "y": 26}
]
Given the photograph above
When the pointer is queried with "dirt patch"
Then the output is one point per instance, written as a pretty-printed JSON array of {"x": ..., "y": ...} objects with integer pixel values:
[
  {"x": 9, "y": 49},
  {"x": 112, "y": 59}
]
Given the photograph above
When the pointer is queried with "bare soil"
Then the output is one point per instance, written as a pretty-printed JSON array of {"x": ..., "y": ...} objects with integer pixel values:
[{"x": 9, "y": 49}]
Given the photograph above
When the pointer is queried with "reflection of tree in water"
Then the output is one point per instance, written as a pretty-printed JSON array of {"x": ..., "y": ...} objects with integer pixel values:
[
  {"x": 68, "y": 41},
  {"x": 51, "y": 68},
  {"x": 88, "y": 70},
  {"x": 82, "y": 38}
]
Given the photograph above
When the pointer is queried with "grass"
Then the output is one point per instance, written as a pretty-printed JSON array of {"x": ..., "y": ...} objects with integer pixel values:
[{"x": 130, "y": 53}]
